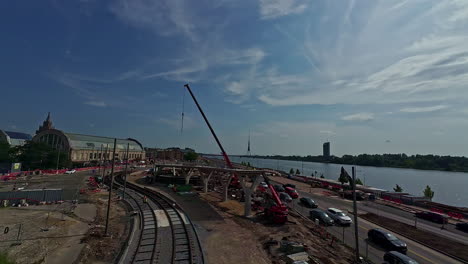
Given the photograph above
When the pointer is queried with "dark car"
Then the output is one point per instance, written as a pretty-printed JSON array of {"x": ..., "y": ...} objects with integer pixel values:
[
  {"x": 289, "y": 185},
  {"x": 386, "y": 240},
  {"x": 394, "y": 257},
  {"x": 307, "y": 202},
  {"x": 285, "y": 197},
  {"x": 323, "y": 217},
  {"x": 462, "y": 226},
  {"x": 278, "y": 188},
  {"x": 432, "y": 216}
]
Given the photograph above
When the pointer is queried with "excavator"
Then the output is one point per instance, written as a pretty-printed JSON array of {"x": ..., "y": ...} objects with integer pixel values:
[{"x": 274, "y": 209}]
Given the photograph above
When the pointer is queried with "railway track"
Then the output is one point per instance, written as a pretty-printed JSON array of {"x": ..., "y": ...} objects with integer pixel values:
[{"x": 166, "y": 234}]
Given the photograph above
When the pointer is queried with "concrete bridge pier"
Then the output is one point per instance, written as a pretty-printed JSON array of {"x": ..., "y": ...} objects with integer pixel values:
[
  {"x": 226, "y": 186},
  {"x": 248, "y": 190},
  {"x": 205, "y": 179},
  {"x": 188, "y": 175}
]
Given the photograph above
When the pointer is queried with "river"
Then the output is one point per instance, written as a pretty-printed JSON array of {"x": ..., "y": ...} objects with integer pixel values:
[{"x": 449, "y": 187}]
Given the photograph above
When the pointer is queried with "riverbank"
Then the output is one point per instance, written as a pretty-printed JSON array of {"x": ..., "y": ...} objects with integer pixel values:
[
  {"x": 448, "y": 187},
  {"x": 401, "y": 161}
]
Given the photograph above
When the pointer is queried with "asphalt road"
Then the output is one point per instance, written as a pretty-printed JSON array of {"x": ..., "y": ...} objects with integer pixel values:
[
  {"x": 416, "y": 251},
  {"x": 399, "y": 215}
]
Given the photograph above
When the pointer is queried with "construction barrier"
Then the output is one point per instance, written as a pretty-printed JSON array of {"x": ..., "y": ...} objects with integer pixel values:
[{"x": 14, "y": 175}]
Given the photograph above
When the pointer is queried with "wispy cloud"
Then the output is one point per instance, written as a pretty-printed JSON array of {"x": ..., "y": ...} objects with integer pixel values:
[
  {"x": 379, "y": 52},
  {"x": 175, "y": 122},
  {"x": 327, "y": 132},
  {"x": 159, "y": 94},
  {"x": 190, "y": 69},
  {"x": 361, "y": 117},
  {"x": 423, "y": 109},
  {"x": 270, "y": 9},
  {"x": 96, "y": 103},
  {"x": 163, "y": 17}
]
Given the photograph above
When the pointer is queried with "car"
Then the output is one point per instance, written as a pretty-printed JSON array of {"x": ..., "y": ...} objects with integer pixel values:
[
  {"x": 285, "y": 197},
  {"x": 321, "y": 216},
  {"x": 395, "y": 257},
  {"x": 339, "y": 217},
  {"x": 292, "y": 192},
  {"x": 70, "y": 171},
  {"x": 432, "y": 216},
  {"x": 264, "y": 185},
  {"x": 462, "y": 226},
  {"x": 289, "y": 185},
  {"x": 308, "y": 202},
  {"x": 278, "y": 188},
  {"x": 386, "y": 240}
]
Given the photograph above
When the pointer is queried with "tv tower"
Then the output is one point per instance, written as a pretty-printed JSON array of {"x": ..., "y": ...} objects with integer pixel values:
[{"x": 248, "y": 146}]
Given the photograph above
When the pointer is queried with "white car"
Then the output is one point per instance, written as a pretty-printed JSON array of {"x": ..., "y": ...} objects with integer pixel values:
[
  {"x": 264, "y": 185},
  {"x": 70, "y": 171},
  {"x": 339, "y": 217}
]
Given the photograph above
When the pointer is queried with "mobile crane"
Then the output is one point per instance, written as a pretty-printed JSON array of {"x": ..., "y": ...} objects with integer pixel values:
[{"x": 276, "y": 210}]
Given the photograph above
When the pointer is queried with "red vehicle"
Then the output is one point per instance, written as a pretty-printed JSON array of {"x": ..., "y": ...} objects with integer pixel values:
[
  {"x": 433, "y": 217},
  {"x": 292, "y": 192}
]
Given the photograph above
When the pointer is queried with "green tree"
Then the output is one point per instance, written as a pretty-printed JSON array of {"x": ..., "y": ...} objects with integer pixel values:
[
  {"x": 190, "y": 156},
  {"x": 358, "y": 181},
  {"x": 291, "y": 171},
  {"x": 298, "y": 172},
  {"x": 5, "y": 152},
  {"x": 428, "y": 192},
  {"x": 398, "y": 188},
  {"x": 248, "y": 164},
  {"x": 38, "y": 155},
  {"x": 343, "y": 179}
]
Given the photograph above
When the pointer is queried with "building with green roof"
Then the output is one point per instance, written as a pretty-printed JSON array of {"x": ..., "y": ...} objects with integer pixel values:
[{"x": 87, "y": 148}]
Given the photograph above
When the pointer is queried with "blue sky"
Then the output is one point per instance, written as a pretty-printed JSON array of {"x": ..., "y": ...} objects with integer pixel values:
[{"x": 370, "y": 76}]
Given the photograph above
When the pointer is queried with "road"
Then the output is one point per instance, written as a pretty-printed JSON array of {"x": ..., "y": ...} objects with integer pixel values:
[{"x": 416, "y": 251}]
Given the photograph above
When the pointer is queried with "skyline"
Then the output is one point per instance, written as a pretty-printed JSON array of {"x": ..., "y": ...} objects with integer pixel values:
[{"x": 368, "y": 76}]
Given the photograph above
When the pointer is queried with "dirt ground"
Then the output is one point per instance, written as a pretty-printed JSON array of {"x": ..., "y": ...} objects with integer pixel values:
[
  {"x": 98, "y": 247},
  {"x": 45, "y": 235},
  {"x": 249, "y": 236},
  {"x": 74, "y": 232}
]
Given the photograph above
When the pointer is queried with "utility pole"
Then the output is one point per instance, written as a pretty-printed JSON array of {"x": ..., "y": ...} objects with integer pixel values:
[
  {"x": 110, "y": 189},
  {"x": 356, "y": 234},
  {"x": 105, "y": 156},
  {"x": 58, "y": 159},
  {"x": 126, "y": 166},
  {"x": 100, "y": 160}
]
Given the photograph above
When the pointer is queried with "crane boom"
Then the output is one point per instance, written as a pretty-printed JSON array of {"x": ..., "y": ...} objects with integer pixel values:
[
  {"x": 278, "y": 211},
  {"x": 225, "y": 156}
]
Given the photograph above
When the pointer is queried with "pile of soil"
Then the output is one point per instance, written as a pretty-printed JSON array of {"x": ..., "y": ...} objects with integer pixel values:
[{"x": 320, "y": 246}]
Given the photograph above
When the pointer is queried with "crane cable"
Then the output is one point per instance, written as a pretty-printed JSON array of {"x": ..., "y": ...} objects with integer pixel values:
[{"x": 183, "y": 109}]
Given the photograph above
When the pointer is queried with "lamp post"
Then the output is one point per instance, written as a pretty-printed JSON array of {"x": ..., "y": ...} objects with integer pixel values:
[
  {"x": 110, "y": 189},
  {"x": 126, "y": 166},
  {"x": 352, "y": 181},
  {"x": 58, "y": 159}
]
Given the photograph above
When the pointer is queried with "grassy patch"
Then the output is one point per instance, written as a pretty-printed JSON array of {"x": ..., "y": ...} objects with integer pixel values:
[{"x": 4, "y": 259}]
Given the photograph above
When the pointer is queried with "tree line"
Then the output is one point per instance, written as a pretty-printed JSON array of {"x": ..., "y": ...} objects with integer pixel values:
[
  {"x": 33, "y": 155},
  {"x": 421, "y": 162}
]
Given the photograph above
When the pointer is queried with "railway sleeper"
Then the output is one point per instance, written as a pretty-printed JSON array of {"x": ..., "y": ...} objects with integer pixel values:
[
  {"x": 179, "y": 256},
  {"x": 144, "y": 256}
]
